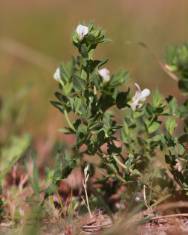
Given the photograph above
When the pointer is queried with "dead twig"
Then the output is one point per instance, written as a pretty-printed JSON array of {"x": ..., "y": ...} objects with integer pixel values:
[{"x": 169, "y": 216}]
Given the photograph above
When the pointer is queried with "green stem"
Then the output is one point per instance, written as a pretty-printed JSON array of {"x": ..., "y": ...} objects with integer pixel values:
[
  {"x": 62, "y": 83},
  {"x": 121, "y": 179},
  {"x": 119, "y": 163},
  {"x": 116, "y": 174},
  {"x": 68, "y": 120}
]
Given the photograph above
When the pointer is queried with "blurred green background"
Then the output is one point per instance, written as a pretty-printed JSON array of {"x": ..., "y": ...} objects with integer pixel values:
[{"x": 35, "y": 36}]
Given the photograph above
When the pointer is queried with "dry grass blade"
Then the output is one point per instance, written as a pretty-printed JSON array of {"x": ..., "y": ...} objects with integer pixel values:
[
  {"x": 28, "y": 54},
  {"x": 164, "y": 67},
  {"x": 169, "y": 216}
]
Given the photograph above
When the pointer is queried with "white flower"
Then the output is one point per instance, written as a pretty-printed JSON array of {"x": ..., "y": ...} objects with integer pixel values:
[
  {"x": 139, "y": 97},
  {"x": 82, "y": 31},
  {"x": 105, "y": 74},
  {"x": 57, "y": 75}
]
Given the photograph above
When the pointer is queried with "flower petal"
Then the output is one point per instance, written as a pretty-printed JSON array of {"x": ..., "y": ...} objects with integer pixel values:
[
  {"x": 137, "y": 87},
  {"x": 145, "y": 93}
]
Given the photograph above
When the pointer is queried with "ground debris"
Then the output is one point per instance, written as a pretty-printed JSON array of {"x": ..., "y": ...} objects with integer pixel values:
[
  {"x": 97, "y": 223},
  {"x": 165, "y": 226}
]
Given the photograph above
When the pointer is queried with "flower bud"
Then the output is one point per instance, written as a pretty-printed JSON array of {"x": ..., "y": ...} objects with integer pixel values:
[
  {"x": 57, "y": 75},
  {"x": 105, "y": 74},
  {"x": 82, "y": 31}
]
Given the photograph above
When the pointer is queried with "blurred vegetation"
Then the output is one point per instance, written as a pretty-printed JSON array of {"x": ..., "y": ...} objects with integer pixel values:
[{"x": 45, "y": 28}]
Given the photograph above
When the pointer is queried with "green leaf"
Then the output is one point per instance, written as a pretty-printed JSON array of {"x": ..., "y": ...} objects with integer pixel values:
[
  {"x": 67, "y": 88},
  {"x": 60, "y": 97},
  {"x": 119, "y": 78},
  {"x": 66, "y": 71},
  {"x": 122, "y": 99},
  {"x": 170, "y": 125},
  {"x": 84, "y": 50},
  {"x": 172, "y": 105},
  {"x": 157, "y": 99},
  {"x": 113, "y": 149},
  {"x": 78, "y": 83},
  {"x": 92, "y": 65},
  {"x": 125, "y": 133},
  {"x": 65, "y": 130},
  {"x": 177, "y": 59},
  {"x": 154, "y": 126},
  {"x": 180, "y": 149},
  {"x": 183, "y": 85},
  {"x": 50, "y": 190},
  {"x": 57, "y": 105},
  {"x": 106, "y": 101},
  {"x": 12, "y": 153},
  {"x": 35, "y": 179}
]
